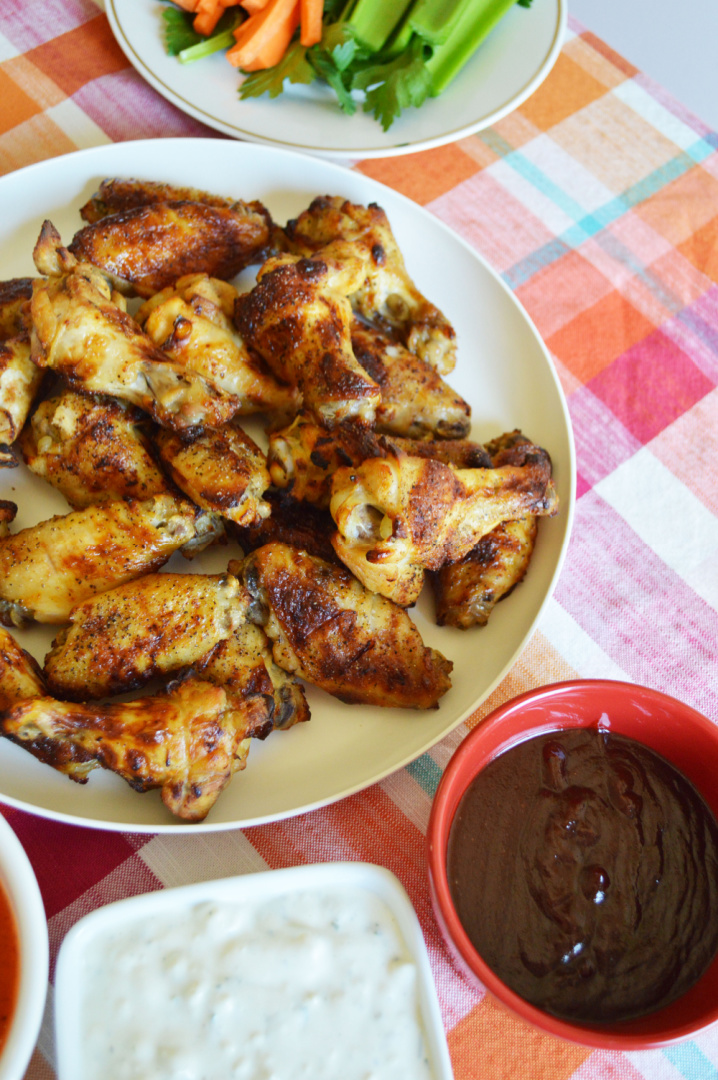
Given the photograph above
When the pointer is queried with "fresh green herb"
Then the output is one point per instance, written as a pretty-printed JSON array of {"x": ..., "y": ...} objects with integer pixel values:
[
  {"x": 222, "y": 38},
  {"x": 293, "y": 67},
  {"x": 395, "y": 86},
  {"x": 179, "y": 34}
]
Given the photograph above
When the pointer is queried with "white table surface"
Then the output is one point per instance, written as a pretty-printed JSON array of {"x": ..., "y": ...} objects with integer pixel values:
[{"x": 674, "y": 42}]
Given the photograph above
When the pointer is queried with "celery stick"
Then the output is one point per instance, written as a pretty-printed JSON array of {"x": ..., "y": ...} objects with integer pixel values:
[
  {"x": 373, "y": 22},
  {"x": 205, "y": 48},
  {"x": 476, "y": 22},
  {"x": 402, "y": 35},
  {"x": 434, "y": 20}
]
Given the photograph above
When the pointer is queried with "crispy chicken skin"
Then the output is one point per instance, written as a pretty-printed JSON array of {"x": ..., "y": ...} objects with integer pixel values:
[
  {"x": 190, "y": 324},
  {"x": 20, "y": 380},
  {"x": 14, "y": 307},
  {"x": 221, "y": 470},
  {"x": 188, "y": 742},
  {"x": 83, "y": 334},
  {"x": 298, "y": 319},
  {"x": 117, "y": 194},
  {"x": 124, "y": 637},
  {"x": 400, "y": 515},
  {"x": 8, "y": 513},
  {"x": 48, "y": 569},
  {"x": 387, "y": 296},
  {"x": 148, "y": 247},
  {"x": 415, "y": 400},
  {"x": 243, "y": 665},
  {"x": 303, "y": 456},
  {"x": 92, "y": 449},
  {"x": 300, "y": 524},
  {"x": 20, "y": 674},
  {"x": 332, "y": 632},
  {"x": 466, "y": 591}
]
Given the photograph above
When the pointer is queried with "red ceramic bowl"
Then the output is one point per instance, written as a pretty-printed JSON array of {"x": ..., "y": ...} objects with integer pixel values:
[{"x": 682, "y": 735}]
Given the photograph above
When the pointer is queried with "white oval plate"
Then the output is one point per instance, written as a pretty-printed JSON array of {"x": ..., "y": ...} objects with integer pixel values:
[
  {"x": 503, "y": 370},
  {"x": 509, "y": 65}
]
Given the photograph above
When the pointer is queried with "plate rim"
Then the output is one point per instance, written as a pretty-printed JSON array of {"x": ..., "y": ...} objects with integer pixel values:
[
  {"x": 567, "y": 511},
  {"x": 347, "y": 152}
]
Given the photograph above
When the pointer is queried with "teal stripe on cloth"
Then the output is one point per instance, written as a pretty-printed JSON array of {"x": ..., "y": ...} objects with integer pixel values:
[
  {"x": 691, "y": 1062},
  {"x": 426, "y": 773},
  {"x": 525, "y": 269}
]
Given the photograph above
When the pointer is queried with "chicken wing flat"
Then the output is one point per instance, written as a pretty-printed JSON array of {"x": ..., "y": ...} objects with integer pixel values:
[
  {"x": 148, "y": 247},
  {"x": 300, "y": 524},
  {"x": 124, "y": 637},
  {"x": 303, "y": 457},
  {"x": 332, "y": 632},
  {"x": 299, "y": 320},
  {"x": 400, "y": 515},
  {"x": 415, "y": 400},
  {"x": 92, "y": 449},
  {"x": 82, "y": 333},
  {"x": 20, "y": 380},
  {"x": 188, "y": 742},
  {"x": 20, "y": 674},
  {"x": 48, "y": 569},
  {"x": 116, "y": 194},
  {"x": 242, "y": 663},
  {"x": 221, "y": 470},
  {"x": 387, "y": 296},
  {"x": 461, "y": 453},
  {"x": 195, "y": 333}
]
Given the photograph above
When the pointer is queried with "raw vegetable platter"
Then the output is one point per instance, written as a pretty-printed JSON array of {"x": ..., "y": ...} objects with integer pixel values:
[
  {"x": 503, "y": 370},
  {"x": 508, "y": 66}
]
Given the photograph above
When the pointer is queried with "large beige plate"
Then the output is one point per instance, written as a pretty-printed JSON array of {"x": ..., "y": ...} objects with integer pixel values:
[
  {"x": 509, "y": 65},
  {"x": 503, "y": 370}
]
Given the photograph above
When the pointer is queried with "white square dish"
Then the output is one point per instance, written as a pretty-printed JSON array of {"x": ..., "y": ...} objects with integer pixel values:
[{"x": 326, "y": 963}]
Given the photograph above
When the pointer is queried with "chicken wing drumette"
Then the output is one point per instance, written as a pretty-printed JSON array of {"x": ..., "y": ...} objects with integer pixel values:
[
  {"x": 387, "y": 296},
  {"x": 20, "y": 377},
  {"x": 400, "y": 515},
  {"x": 298, "y": 319}
]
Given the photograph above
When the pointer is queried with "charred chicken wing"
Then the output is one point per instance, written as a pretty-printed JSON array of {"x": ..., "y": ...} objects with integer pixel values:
[{"x": 328, "y": 629}]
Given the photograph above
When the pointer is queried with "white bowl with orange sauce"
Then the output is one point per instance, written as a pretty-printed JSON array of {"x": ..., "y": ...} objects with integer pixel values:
[{"x": 24, "y": 956}]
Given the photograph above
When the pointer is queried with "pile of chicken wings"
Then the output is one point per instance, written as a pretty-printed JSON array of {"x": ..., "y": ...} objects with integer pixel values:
[{"x": 126, "y": 367}]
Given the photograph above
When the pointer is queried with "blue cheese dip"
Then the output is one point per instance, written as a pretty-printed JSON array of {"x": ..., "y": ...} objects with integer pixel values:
[{"x": 313, "y": 984}]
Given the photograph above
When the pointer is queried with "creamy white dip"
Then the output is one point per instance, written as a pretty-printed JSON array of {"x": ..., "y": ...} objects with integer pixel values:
[{"x": 317, "y": 985}]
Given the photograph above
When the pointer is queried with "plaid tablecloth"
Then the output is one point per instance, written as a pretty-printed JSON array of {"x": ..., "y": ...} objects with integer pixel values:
[{"x": 597, "y": 201}]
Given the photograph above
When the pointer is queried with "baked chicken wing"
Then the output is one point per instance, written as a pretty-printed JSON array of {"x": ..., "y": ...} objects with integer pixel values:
[
  {"x": 116, "y": 194},
  {"x": 328, "y": 629},
  {"x": 300, "y": 524},
  {"x": 20, "y": 674},
  {"x": 221, "y": 470},
  {"x": 190, "y": 324},
  {"x": 387, "y": 296},
  {"x": 124, "y": 637},
  {"x": 92, "y": 449},
  {"x": 400, "y": 515},
  {"x": 298, "y": 319},
  {"x": 20, "y": 377},
  {"x": 415, "y": 401},
  {"x": 188, "y": 742},
  {"x": 80, "y": 331},
  {"x": 48, "y": 569},
  {"x": 242, "y": 664},
  {"x": 148, "y": 247}
]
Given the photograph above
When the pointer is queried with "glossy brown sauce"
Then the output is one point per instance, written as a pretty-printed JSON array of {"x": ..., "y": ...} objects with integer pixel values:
[
  {"x": 584, "y": 869},
  {"x": 9, "y": 965}
]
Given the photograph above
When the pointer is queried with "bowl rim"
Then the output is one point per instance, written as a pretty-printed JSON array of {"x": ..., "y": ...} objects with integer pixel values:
[
  {"x": 597, "y": 1036},
  {"x": 18, "y": 878}
]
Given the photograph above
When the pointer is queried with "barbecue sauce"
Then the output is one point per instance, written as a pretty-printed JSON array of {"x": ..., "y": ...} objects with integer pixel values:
[{"x": 584, "y": 869}]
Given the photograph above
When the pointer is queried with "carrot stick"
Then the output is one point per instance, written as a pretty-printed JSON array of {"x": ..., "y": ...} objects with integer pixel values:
[
  {"x": 253, "y": 6},
  {"x": 273, "y": 52},
  {"x": 258, "y": 30},
  {"x": 311, "y": 21},
  {"x": 188, "y": 5},
  {"x": 209, "y": 12}
]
